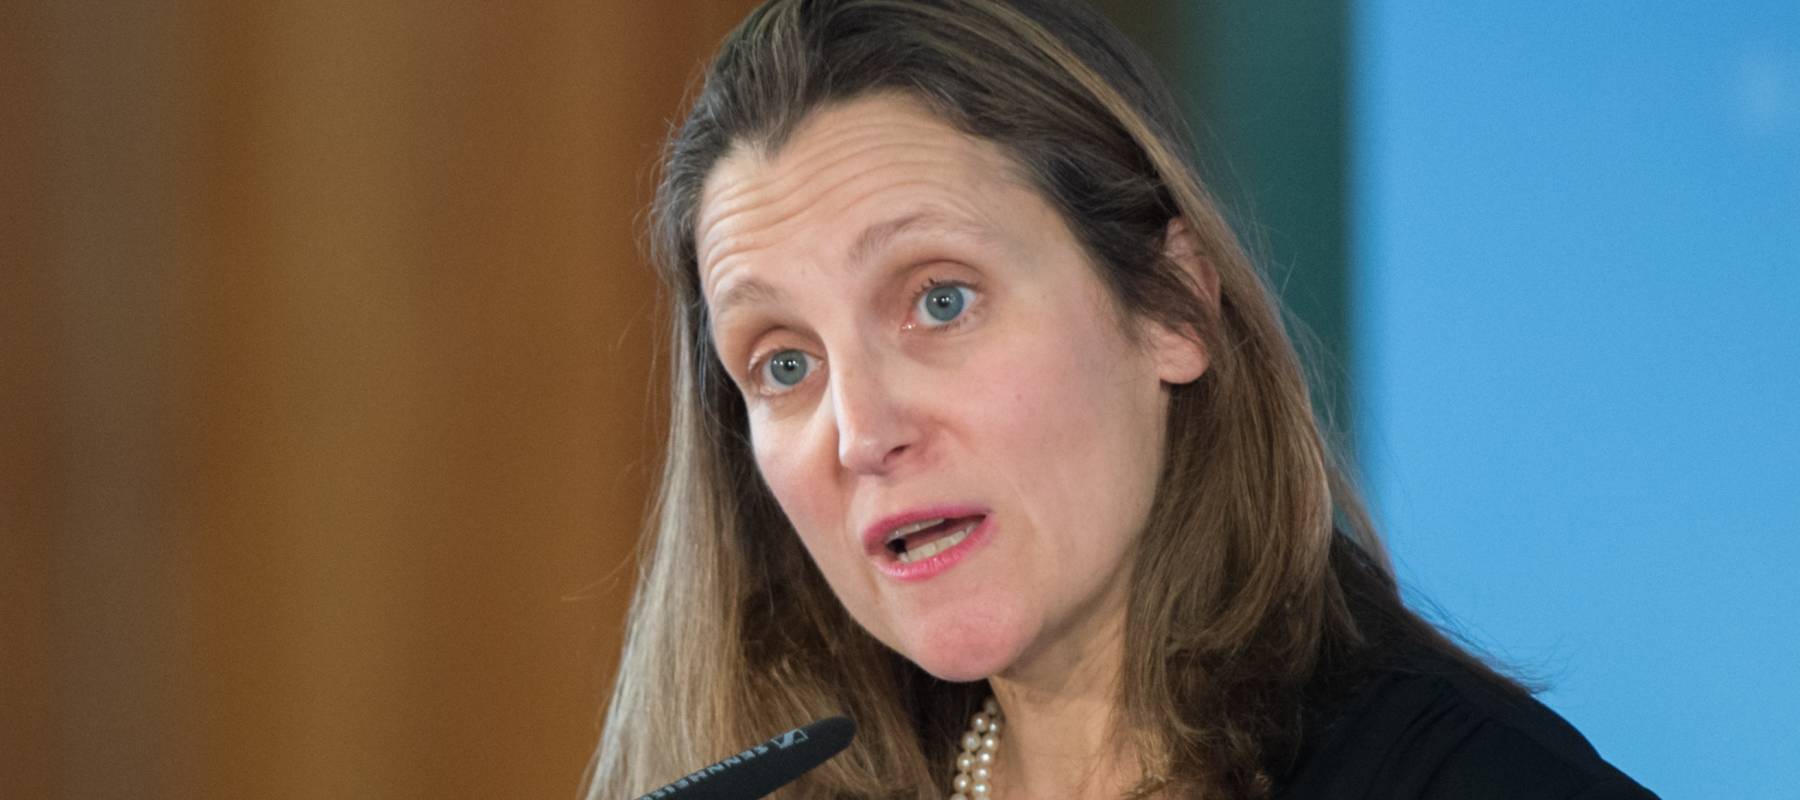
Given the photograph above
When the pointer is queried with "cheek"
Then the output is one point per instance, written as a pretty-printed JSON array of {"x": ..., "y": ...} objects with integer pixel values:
[
  {"x": 1066, "y": 397},
  {"x": 781, "y": 469},
  {"x": 1078, "y": 426},
  {"x": 804, "y": 485},
  {"x": 800, "y": 485}
]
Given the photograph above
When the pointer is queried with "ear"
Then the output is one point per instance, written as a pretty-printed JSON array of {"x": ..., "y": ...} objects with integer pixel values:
[{"x": 1180, "y": 355}]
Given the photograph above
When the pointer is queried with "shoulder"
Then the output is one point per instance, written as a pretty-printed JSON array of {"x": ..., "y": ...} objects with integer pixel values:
[{"x": 1432, "y": 729}]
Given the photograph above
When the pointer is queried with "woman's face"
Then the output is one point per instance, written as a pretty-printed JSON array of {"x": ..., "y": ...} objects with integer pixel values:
[{"x": 922, "y": 344}]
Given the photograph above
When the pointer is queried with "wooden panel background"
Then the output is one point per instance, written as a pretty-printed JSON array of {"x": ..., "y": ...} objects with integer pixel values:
[{"x": 324, "y": 428}]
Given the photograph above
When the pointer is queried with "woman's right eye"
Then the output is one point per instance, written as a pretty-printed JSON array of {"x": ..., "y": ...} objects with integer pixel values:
[{"x": 782, "y": 370}]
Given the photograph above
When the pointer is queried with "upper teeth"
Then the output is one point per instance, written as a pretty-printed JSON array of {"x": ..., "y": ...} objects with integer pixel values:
[{"x": 914, "y": 527}]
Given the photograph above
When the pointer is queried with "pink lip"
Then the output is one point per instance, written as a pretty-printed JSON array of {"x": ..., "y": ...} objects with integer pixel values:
[
  {"x": 875, "y": 541},
  {"x": 875, "y": 536}
]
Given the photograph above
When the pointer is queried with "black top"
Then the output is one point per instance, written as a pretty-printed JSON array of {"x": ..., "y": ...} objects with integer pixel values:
[{"x": 1432, "y": 729}]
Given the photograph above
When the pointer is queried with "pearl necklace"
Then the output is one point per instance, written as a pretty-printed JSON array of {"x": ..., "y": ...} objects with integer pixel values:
[{"x": 974, "y": 765}]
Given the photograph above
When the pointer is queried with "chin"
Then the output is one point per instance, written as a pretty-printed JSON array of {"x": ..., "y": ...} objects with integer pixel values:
[{"x": 971, "y": 648}]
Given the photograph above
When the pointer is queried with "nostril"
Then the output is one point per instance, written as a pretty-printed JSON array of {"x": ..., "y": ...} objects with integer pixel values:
[{"x": 871, "y": 454}]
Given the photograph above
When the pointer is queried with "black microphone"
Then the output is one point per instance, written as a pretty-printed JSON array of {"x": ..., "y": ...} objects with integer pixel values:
[{"x": 763, "y": 768}]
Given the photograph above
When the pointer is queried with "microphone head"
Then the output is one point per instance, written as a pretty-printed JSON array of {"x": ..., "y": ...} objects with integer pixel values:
[{"x": 763, "y": 768}]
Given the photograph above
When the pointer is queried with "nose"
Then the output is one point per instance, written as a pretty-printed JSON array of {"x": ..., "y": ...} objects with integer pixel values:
[{"x": 876, "y": 426}]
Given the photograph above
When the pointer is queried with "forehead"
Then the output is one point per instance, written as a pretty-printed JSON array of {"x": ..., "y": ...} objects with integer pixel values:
[{"x": 846, "y": 167}]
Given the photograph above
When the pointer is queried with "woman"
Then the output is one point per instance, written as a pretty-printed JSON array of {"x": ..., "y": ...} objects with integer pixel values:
[{"x": 975, "y": 394}]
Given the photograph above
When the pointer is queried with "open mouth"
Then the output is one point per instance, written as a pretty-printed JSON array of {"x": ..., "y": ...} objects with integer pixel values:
[{"x": 928, "y": 537}]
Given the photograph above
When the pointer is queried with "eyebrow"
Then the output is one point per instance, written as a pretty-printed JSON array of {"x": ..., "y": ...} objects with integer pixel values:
[
  {"x": 746, "y": 292},
  {"x": 878, "y": 236},
  {"x": 870, "y": 242}
]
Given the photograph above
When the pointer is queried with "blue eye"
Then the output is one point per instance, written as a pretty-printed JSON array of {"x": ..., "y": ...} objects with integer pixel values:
[
  {"x": 943, "y": 303},
  {"x": 786, "y": 369}
]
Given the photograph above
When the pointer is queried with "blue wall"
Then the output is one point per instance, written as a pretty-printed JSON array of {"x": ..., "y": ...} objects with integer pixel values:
[{"x": 1576, "y": 231}]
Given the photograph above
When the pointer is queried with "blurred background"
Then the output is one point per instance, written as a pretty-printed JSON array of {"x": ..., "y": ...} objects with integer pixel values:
[{"x": 327, "y": 383}]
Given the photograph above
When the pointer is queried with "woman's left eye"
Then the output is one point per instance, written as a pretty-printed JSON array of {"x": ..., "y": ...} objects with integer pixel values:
[{"x": 941, "y": 303}]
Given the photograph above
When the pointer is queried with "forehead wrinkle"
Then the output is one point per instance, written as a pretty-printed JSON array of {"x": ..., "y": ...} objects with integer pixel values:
[
  {"x": 894, "y": 112},
  {"x": 824, "y": 156},
  {"x": 724, "y": 242},
  {"x": 744, "y": 195},
  {"x": 821, "y": 156},
  {"x": 780, "y": 195},
  {"x": 748, "y": 197},
  {"x": 930, "y": 216}
]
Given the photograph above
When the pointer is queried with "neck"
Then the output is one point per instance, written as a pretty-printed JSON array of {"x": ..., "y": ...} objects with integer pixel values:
[{"x": 1063, "y": 736}]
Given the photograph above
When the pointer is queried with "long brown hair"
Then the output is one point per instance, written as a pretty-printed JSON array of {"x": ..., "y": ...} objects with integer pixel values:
[{"x": 1258, "y": 576}]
